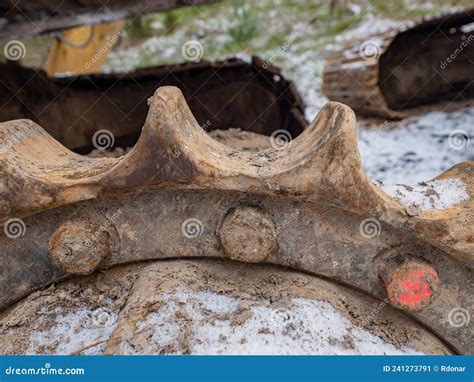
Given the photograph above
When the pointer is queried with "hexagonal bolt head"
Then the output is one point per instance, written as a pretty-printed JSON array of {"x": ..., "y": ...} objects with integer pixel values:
[
  {"x": 248, "y": 234},
  {"x": 78, "y": 248},
  {"x": 410, "y": 284}
]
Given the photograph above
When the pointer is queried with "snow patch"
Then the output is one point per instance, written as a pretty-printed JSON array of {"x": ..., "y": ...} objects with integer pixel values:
[
  {"x": 305, "y": 327},
  {"x": 75, "y": 330},
  {"x": 367, "y": 28},
  {"x": 434, "y": 195},
  {"x": 416, "y": 149}
]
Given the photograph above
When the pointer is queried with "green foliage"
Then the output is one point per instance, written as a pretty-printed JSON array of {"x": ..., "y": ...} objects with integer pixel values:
[
  {"x": 243, "y": 22},
  {"x": 262, "y": 27},
  {"x": 140, "y": 27}
]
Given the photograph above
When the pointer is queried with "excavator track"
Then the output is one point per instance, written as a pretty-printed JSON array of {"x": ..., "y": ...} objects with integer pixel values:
[
  {"x": 252, "y": 96},
  {"x": 304, "y": 204},
  {"x": 395, "y": 73},
  {"x": 30, "y": 18}
]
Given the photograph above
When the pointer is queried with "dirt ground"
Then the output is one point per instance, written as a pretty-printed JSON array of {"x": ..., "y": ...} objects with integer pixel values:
[{"x": 207, "y": 307}]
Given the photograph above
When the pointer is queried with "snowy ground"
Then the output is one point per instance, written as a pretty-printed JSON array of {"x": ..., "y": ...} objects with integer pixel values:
[
  {"x": 269, "y": 330},
  {"x": 434, "y": 195},
  {"x": 418, "y": 148}
]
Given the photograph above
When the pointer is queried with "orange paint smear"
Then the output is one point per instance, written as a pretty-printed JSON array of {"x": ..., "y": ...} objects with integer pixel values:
[{"x": 414, "y": 287}]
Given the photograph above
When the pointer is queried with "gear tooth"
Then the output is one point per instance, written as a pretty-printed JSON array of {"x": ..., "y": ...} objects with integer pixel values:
[
  {"x": 450, "y": 229},
  {"x": 174, "y": 149},
  {"x": 163, "y": 152},
  {"x": 325, "y": 159},
  {"x": 39, "y": 172}
]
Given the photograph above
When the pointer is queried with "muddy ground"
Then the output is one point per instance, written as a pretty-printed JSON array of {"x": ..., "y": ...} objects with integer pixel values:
[{"x": 207, "y": 307}]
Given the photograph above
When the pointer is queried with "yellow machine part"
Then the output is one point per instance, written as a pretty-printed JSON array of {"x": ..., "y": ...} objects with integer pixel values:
[{"x": 83, "y": 49}]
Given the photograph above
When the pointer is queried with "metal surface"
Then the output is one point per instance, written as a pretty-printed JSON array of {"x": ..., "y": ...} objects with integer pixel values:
[
  {"x": 29, "y": 18},
  {"x": 232, "y": 93},
  {"x": 390, "y": 74},
  {"x": 75, "y": 51},
  {"x": 180, "y": 194}
]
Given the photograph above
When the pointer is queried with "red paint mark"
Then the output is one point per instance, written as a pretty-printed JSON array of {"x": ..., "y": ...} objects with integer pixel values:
[{"x": 412, "y": 286}]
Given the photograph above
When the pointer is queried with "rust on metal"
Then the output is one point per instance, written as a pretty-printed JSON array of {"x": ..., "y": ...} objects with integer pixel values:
[
  {"x": 79, "y": 248},
  {"x": 180, "y": 193},
  {"x": 226, "y": 94},
  {"x": 248, "y": 234},
  {"x": 31, "y": 17},
  {"x": 392, "y": 74}
]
